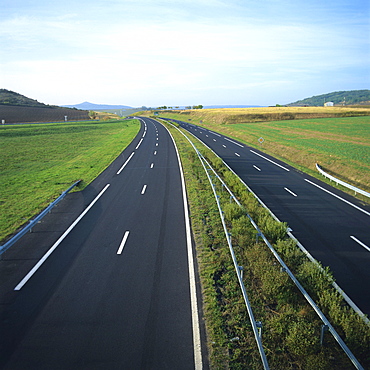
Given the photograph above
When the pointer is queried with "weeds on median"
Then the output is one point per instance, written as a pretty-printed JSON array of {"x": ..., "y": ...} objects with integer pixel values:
[{"x": 291, "y": 328}]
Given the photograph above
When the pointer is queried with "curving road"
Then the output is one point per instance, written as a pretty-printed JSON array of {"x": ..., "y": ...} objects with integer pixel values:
[
  {"x": 333, "y": 226},
  {"x": 106, "y": 281}
]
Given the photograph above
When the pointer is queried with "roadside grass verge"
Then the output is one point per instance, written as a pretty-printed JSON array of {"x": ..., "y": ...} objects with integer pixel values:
[
  {"x": 340, "y": 145},
  {"x": 291, "y": 328},
  {"x": 40, "y": 161}
]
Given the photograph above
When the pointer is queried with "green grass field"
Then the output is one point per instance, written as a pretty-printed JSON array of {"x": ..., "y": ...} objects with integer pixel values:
[
  {"x": 40, "y": 161},
  {"x": 340, "y": 145},
  {"x": 346, "y": 139}
]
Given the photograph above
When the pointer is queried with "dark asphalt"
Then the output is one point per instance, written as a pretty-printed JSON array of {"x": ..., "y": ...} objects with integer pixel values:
[
  {"x": 115, "y": 292},
  {"x": 321, "y": 222}
]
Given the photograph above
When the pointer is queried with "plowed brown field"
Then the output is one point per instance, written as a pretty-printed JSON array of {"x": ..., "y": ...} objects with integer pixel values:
[{"x": 20, "y": 114}]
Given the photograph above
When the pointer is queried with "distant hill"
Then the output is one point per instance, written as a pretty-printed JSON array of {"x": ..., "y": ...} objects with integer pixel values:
[
  {"x": 8, "y": 97},
  {"x": 352, "y": 97},
  {"x": 91, "y": 106}
]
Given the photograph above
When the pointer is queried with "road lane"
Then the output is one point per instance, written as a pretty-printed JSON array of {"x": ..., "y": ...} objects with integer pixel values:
[
  {"x": 322, "y": 218},
  {"x": 88, "y": 306}
]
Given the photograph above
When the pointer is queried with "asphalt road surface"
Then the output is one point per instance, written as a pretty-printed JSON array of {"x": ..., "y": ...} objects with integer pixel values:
[
  {"x": 106, "y": 280},
  {"x": 333, "y": 226}
]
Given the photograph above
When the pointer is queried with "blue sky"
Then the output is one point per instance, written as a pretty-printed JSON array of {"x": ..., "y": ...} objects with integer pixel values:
[{"x": 183, "y": 52}]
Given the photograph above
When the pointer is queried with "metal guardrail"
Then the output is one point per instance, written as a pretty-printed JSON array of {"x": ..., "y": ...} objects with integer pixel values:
[
  {"x": 337, "y": 181},
  {"x": 33, "y": 222},
  {"x": 312, "y": 303},
  {"x": 327, "y": 325},
  {"x": 238, "y": 269},
  {"x": 301, "y": 247},
  {"x": 254, "y": 323}
]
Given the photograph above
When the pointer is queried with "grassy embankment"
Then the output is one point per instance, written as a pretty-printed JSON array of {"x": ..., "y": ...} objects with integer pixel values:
[
  {"x": 40, "y": 161},
  {"x": 291, "y": 329},
  {"x": 338, "y": 138}
]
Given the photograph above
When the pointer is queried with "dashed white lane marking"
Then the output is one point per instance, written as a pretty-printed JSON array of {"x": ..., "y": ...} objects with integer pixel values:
[
  {"x": 360, "y": 242},
  {"x": 231, "y": 141},
  {"x": 152, "y": 165},
  {"x": 237, "y": 154},
  {"x": 267, "y": 159},
  {"x": 123, "y": 242},
  {"x": 257, "y": 168},
  {"x": 289, "y": 191},
  {"x": 143, "y": 189},
  {"x": 55, "y": 245}
]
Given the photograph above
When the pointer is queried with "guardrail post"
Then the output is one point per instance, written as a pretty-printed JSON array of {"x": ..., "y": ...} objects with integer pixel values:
[
  {"x": 241, "y": 269},
  {"x": 324, "y": 329},
  {"x": 259, "y": 326},
  {"x": 257, "y": 235}
]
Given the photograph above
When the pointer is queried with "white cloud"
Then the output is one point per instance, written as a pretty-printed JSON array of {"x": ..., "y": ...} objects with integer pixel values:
[{"x": 75, "y": 56}]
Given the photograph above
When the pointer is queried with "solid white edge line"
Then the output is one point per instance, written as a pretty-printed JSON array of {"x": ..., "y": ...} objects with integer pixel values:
[
  {"x": 289, "y": 191},
  {"x": 124, "y": 165},
  {"x": 337, "y": 196},
  {"x": 55, "y": 245},
  {"x": 267, "y": 159},
  {"x": 123, "y": 242},
  {"x": 198, "y": 363},
  {"x": 143, "y": 190},
  {"x": 360, "y": 242}
]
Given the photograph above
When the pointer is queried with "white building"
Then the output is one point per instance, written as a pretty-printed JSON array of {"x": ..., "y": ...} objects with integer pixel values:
[{"x": 329, "y": 104}]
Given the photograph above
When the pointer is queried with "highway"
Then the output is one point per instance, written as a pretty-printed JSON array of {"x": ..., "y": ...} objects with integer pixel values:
[
  {"x": 332, "y": 225},
  {"x": 107, "y": 280}
]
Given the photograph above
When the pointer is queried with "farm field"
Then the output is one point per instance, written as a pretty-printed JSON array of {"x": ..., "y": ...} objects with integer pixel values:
[
  {"x": 341, "y": 145},
  {"x": 39, "y": 162},
  {"x": 20, "y": 114}
]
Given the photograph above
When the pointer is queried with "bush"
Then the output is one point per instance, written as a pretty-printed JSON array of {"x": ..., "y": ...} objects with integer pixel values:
[{"x": 272, "y": 229}]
